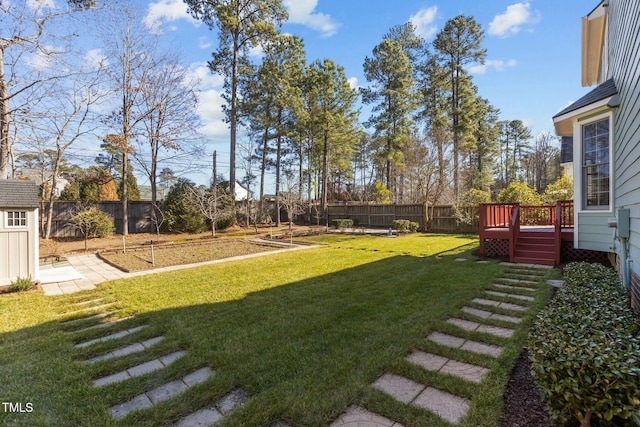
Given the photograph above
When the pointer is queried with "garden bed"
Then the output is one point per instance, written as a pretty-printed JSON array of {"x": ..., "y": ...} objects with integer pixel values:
[{"x": 166, "y": 255}]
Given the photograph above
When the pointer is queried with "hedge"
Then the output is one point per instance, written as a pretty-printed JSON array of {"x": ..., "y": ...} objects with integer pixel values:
[
  {"x": 342, "y": 223},
  {"x": 585, "y": 350}
]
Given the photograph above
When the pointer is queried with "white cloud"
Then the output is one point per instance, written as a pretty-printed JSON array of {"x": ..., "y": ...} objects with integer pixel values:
[
  {"x": 496, "y": 64},
  {"x": 353, "y": 82},
  {"x": 302, "y": 12},
  {"x": 204, "y": 43},
  {"x": 37, "y": 5},
  {"x": 210, "y": 100},
  {"x": 423, "y": 21},
  {"x": 167, "y": 11},
  {"x": 94, "y": 59},
  {"x": 511, "y": 21}
]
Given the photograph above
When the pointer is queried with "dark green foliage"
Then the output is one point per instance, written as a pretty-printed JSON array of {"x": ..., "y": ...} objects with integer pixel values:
[
  {"x": 585, "y": 349},
  {"x": 180, "y": 214},
  {"x": 404, "y": 225},
  {"x": 341, "y": 224}
]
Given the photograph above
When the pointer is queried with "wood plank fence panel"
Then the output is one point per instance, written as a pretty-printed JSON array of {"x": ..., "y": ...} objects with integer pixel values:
[{"x": 442, "y": 220}]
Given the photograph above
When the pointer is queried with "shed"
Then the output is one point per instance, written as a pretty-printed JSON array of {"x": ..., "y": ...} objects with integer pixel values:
[{"x": 19, "y": 239}]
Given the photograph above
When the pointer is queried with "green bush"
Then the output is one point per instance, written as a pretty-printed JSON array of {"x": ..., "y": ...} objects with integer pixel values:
[
  {"x": 401, "y": 225},
  {"x": 519, "y": 192},
  {"x": 93, "y": 222},
  {"x": 21, "y": 284},
  {"x": 585, "y": 350},
  {"x": 180, "y": 214},
  {"x": 341, "y": 224},
  {"x": 413, "y": 226}
]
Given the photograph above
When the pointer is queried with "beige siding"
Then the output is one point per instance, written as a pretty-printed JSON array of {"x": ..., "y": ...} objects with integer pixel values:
[{"x": 624, "y": 60}]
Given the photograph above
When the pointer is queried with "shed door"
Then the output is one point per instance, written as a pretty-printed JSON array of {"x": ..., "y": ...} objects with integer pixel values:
[{"x": 14, "y": 255}]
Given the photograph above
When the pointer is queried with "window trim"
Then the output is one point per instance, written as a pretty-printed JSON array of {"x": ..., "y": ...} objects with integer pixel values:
[
  {"x": 10, "y": 217},
  {"x": 580, "y": 180}
]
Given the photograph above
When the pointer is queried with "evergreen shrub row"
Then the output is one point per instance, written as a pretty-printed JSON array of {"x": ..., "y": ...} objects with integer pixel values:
[{"x": 585, "y": 350}]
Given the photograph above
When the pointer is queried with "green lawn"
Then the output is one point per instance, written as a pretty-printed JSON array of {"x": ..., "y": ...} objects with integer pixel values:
[{"x": 304, "y": 333}]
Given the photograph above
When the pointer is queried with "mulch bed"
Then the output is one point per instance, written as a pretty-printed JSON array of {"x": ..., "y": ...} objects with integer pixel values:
[{"x": 523, "y": 406}]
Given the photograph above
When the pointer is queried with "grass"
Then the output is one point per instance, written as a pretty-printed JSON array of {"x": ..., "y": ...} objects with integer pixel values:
[{"x": 304, "y": 333}]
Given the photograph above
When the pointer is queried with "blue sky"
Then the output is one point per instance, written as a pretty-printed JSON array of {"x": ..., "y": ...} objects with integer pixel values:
[{"x": 532, "y": 69}]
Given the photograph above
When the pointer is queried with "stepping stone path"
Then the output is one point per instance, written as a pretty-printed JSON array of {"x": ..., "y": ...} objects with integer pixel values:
[
  {"x": 518, "y": 283},
  {"x": 89, "y": 315}
]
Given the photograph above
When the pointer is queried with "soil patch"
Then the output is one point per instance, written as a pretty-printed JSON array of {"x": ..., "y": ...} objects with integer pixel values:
[
  {"x": 138, "y": 259},
  {"x": 523, "y": 406}
]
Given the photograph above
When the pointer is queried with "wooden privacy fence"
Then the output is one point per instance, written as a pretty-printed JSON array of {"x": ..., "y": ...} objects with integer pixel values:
[
  {"x": 441, "y": 219},
  {"x": 139, "y": 217}
]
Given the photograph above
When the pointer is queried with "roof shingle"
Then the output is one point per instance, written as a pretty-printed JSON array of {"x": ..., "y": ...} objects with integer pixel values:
[
  {"x": 602, "y": 91},
  {"x": 18, "y": 194}
]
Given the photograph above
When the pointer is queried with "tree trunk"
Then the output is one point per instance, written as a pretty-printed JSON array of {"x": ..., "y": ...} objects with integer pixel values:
[
  {"x": 4, "y": 120},
  {"x": 233, "y": 118},
  {"x": 263, "y": 167}
]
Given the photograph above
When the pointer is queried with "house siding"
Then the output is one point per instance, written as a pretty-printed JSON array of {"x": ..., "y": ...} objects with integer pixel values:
[
  {"x": 592, "y": 232},
  {"x": 624, "y": 61}
]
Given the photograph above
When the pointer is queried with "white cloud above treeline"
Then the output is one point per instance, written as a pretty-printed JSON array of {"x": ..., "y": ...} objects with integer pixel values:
[
  {"x": 424, "y": 22},
  {"x": 495, "y": 64},
  {"x": 513, "y": 19},
  {"x": 163, "y": 11},
  {"x": 302, "y": 12}
]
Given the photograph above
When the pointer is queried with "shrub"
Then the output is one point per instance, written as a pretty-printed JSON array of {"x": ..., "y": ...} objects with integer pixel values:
[
  {"x": 585, "y": 350},
  {"x": 93, "y": 222},
  {"x": 401, "y": 225},
  {"x": 466, "y": 211},
  {"x": 519, "y": 192},
  {"x": 413, "y": 226},
  {"x": 180, "y": 213},
  {"x": 21, "y": 284},
  {"x": 341, "y": 224}
]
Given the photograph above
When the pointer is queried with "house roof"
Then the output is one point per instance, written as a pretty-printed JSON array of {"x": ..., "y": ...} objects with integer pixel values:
[
  {"x": 603, "y": 91},
  {"x": 18, "y": 194}
]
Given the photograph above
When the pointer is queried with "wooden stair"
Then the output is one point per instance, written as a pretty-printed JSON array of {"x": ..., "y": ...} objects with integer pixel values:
[{"x": 535, "y": 248}]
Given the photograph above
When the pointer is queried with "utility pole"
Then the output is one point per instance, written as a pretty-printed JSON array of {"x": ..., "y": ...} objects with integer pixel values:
[{"x": 215, "y": 172}]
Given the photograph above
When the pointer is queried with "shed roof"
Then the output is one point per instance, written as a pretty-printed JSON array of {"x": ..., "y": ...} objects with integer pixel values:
[
  {"x": 18, "y": 194},
  {"x": 603, "y": 91}
]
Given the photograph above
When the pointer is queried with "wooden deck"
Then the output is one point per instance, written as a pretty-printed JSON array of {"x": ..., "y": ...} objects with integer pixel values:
[{"x": 534, "y": 233}]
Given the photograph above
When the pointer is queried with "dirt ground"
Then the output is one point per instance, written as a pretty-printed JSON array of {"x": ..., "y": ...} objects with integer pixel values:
[{"x": 58, "y": 247}]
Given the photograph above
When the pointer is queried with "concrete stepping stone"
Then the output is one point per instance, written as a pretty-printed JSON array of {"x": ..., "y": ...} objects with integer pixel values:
[
  {"x": 114, "y": 336},
  {"x": 208, "y": 417},
  {"x": 435, "y": 363},
  {"x": 125, "y": 351},
  {"x": 556, "y": 283},
  {"x": 519, "y": 281},
  {"x": 448, "y": 406},
  {"x": 203, "y": 418},
  {"x": 400, "y": 388},
  {"x": 92, "y": 301},
  {"x": 469, "y": 345},
  {"x": 358, "y": 417},
  {"x": 507, "y": 295},
  {"x": 89, "y": 308},
  {"x": 515, "y": 288},
  {"x": 160, "y": 394},
  {"x": 521, "y": 267},
  {"x": 490, "y": 315},
  {"x": 505, "y": 305},
  {"x": 139, "y": 370},
  {"x": 468, "y": 325},
  {"x": 103, "y": 325},
  {"x": 92, "y": 317}
]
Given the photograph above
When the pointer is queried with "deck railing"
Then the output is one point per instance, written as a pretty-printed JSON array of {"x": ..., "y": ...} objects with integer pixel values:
[
  {"x": 507, "y": 218},
  {"x": 514, "y": 230}
]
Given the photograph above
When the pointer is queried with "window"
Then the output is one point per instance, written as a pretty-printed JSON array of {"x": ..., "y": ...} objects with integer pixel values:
[
  {"x": 17, "y": 219},
  {"x": 595, "y": 164}
]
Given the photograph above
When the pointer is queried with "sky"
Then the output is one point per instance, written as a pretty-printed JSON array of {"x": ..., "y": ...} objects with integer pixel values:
[{"x": 532, "y": 67}]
